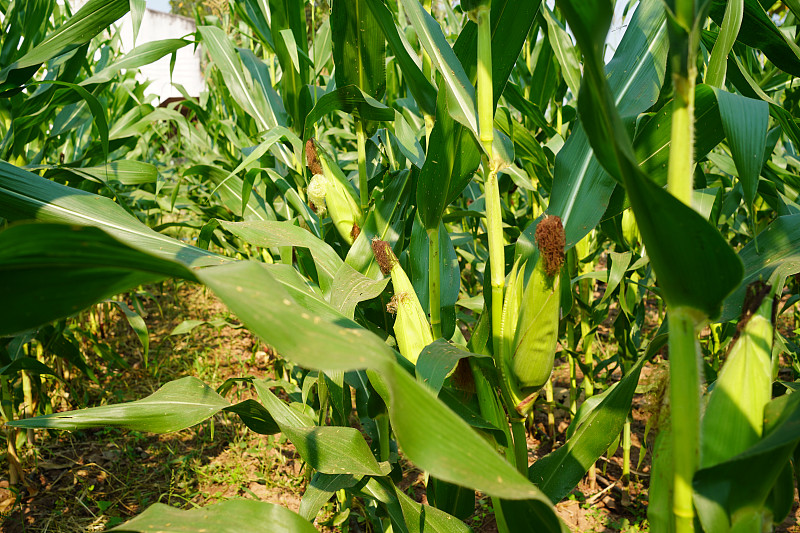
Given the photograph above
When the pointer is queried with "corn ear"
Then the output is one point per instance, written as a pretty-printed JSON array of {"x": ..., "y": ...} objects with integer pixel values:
[
  {"x": 331, "y": 185},
  {"x": 512, "y": 303},
  {"x": 537, "y": 330},
  {"x": 531, "y": 362},
  {"x": 630, "y": 231},
  {"x": 411, "y": 327},
  {"x": 734, "y": 416}
]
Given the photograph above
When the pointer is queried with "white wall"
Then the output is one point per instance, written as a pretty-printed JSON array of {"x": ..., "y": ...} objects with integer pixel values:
[{"x": 156, "y": 26}]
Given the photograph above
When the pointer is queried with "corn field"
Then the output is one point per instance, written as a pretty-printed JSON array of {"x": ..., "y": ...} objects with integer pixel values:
[{"x": 422, "y": 207}]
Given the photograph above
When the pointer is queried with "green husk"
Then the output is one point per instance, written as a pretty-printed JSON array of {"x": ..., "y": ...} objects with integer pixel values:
[
  {"x": 734, "y": 416},
  {"x": 411, "y": 327},
  {"x": 330, "y": 191}
]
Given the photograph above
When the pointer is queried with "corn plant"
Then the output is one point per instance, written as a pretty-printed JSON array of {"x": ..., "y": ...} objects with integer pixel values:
[{"x": 483, "y": 161}]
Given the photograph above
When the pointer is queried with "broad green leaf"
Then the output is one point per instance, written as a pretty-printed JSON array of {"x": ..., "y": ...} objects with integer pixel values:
[
  {"x": 224, "y": 55},
  {"x": 746, "y": 480},
  {"x": 26, "y": 196},
  {"x": 137, "y": 323},
  {"x": 450, "y": 498},
  {"x": 659, "y": 510},
  {"x": 407, "y": 140},
  {"x": 97, "y": 109},
  {"x": 759, "y": 31},
  {"x": 560, "y": 471},
  {"x": 232, "y": 516},
  {"x": 48, "y": 271},
  {"x": 415, "y": 412},
  {"x": 733, "y": 418},
  {"x": 347, "y": 99},
  {"x": 350, "y": 287},
  {"x": 718, "y": 62},
  {"x": 253, "y": 154},
  {"x": 29, "y": 364},
  {"x": 91, "y": 19},
  {"x": 779, "y": 256},
  {"x": 453, "y": 153},
  {"x": 137, "y": 13},
  {"x": 459, "y": 90},
  {"x": 449, "y": 270},
  {"x": 143, "y": 54},
  {"x": 326, "y": 449},
  {"x": 177, "y": 405},
  {"x": 581, "y": 187},
  {"x": 437, "y": 361},
  {"x": 652, "y": 141},
  {"x": 530, "y": 516},
  {"x": 619, "y": 265},
  {"x": 188, "y": 325},
  {"x": 291, "y": 15},
  {"x": 566, "y": 53},
  {"x": 273, "y": 234},
  {"x": 421, "y": 518},
  {"x": 745, "y": 122},
  {"x": 422, "y": 89},
  {"x": 452, "y": 158},
  {"x": 124, "y": 171},
  {"x": 320, "y": 489},
  {"x": 678, "y": 239},
  {"x": 359, "y": 49},
  {"x": 229, "y": 189},
  {"x": 259, "y": 73}
]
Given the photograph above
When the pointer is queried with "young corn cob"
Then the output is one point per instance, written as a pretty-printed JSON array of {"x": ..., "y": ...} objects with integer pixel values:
[
  {"x": 512, "y": 302},
  {"x": 330, "y": 191},
  {"x": 734, "y": 415},
  {"x": 411, "y": 327},
  {"x": 531, "y": 362},
  {"x": 630, "y": 231}
]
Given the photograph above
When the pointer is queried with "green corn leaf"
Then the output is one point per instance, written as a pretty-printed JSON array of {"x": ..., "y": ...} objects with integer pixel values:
[
  {"x": 652, "y": 141},
  {"x": 733, "y": 419},
  {"x": 437, "y": 361},
  {"x": 566, "y": 53},
  {"x": 678, "y": 239},
  {"x": 124, "y": 171},
  {"x": 450, "y": 272},
  {"x": 137, "y": 323},
  {"x": 460, "y": 92},
  {"x": 581, "y": 186},
  {"x": 453, "y": 153},
  {"x": 143, "y": 54},
  {"x": 224, "y": 56},
  {"x": 359, "y": 49},
  {"x": 350, "y": 287},
  {"x": 746, "y": 480},
  {"x": 177, "y": 405},
  {"x": 320, "y": 489},
  {"x": 759, "y": 31},
  {"x": 380, "y": 222},
  {"x": 232, "y": 516},
  {"x": 229, "y": 189},
  {"x": 745, "y": 123},
  {"x": 560, "y": 471},
  {"x": 347, "y": 99},
  {"x": 91, "y": 19},
  {"x": 274, "y": 234},
  {"x": 42, "y": 281},
  {"x": 422, "y": 89},
  {"x": 327, "y": 449},
  {"x": 290, "y": 15},
  {"x": 779, "y": 257}
]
